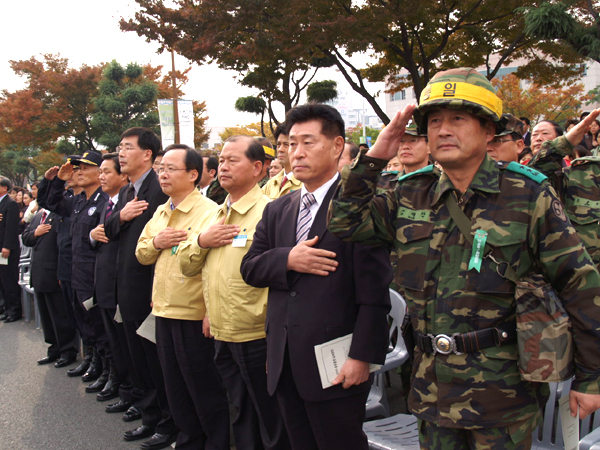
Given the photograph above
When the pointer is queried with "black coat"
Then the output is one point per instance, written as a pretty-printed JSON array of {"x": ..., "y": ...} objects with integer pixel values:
[
  {"x": 44, "y": 256},
  {"x": 305, "y": 310},
  {"x": 134, "y": 281},
  {"x": 9, "y": 225},
  {"x": 106, "y": 271}
]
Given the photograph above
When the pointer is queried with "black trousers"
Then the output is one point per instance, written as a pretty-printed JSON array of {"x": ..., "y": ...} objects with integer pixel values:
[
  {"x": 149, "y": 385},
  {"x": 67, "y": 291},
  {"x": 61, "y": 337},
  {"x": 119, "y": 357},
  {"x": 90, "y": 324},
  {"x": 9, "y": 285},
  {"x": 193, "y": 384},
  {"x": 258, "y": 423},
  {"x": 327, "y": 425}
]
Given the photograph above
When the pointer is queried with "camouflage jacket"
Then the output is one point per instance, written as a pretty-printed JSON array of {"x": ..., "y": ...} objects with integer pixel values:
[
  {"x": 527, "y": 228},
  {"x": 578, "y": 187},
  {"x": 387, "y": 181},
  {"x": 216, "y": 192}
]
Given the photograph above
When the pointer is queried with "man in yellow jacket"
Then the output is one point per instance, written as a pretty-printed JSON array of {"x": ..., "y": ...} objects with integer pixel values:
[
  {"x": 285, "y": 181},
  {"x": 199, "y": 400},
  {"x": 237, "y": 311}
]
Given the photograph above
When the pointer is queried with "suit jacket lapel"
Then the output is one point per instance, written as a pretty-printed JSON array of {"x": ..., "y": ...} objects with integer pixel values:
[
  {"x": 319, "y": 225},
  {"x": 290, "y": 215},
  {"x": 141, "y": 195}
]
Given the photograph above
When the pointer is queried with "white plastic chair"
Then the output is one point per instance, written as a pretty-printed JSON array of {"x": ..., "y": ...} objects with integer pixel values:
[
  {"x": 377, "y": 403},
  {"x": 393, "y": 433}
]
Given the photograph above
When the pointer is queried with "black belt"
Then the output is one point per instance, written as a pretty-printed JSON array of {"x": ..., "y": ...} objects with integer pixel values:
[{"x": 467, "y": 342}]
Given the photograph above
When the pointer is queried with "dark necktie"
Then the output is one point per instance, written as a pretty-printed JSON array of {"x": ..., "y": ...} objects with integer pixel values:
[
  {"x": 130, "y": 195},
  {"x": 283, "y": 181},
  {"x": 44, "y": 215},
  {"x": 109, "y": 209}
]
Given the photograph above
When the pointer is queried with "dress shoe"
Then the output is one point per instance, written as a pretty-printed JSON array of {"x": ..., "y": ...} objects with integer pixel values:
[
  {"x": 95, "y": 369},
  {"x": 64, "y": 362},
  {"x": 118, "y": 407},
  {"x": 79, "y": 370},
  {"x": 141, "y": 432},
  {"x": 110, "y": 391},
  {"x": 47, "y": 360},
  {"x": 97, "y": 385},
  {"x": 132, "y": 414},
  {"x": 10, "y": 319},
  {"x": 158, "y": 441}
]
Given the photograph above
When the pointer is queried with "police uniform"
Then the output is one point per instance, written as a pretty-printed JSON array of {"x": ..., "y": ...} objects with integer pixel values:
[{"x": 84, "y": 214}]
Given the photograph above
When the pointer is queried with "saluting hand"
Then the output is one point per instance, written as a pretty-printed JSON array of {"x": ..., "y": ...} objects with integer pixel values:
[
  {"x": 65, "y": 172},
  {"x": 169, "y": 237},
  {"x": 387, "y": 143},
  {"x": 304, "y": 258},
  {"x": 133, "y": 209},
  {"x": 577, "y": 133},
  {"x": 218, "y": 235},
  {"x": 51, "y": 173}
]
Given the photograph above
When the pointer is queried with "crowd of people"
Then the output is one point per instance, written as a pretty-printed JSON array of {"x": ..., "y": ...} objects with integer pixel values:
[{"x": 195, "y": 282}]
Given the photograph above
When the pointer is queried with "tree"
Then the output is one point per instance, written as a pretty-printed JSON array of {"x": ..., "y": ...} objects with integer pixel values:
[
  {"x": 249, "y": 40},
  {"x": 254, "y": 105},
  {"x": 56, "y": 103},
  {"x": 355, "y": 134},
  {"x": 268, "y": 41},
  {"x": 577, "y": 23},
  {"x": 126, "y": 99},
  {"x": 539, "y": 102},
  {"x": 322, "y": 91},
  {"x": 253, "y": 129}
]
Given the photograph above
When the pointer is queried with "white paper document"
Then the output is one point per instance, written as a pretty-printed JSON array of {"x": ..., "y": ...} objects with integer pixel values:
[
  {"x": 118, "y": 317},
  {"x": 89, "y": 303},
  {"x": 3, "y": 261},
  {"x": 570, "y": 424},
  {"x": 331, "y": 356},
  {"x": 147, "y": 329}
]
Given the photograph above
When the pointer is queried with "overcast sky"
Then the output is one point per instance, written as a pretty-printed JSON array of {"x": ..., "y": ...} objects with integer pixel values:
[{"x": 87, "y": 32}]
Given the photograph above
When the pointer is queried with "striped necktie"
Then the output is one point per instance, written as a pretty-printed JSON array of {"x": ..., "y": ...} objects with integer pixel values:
[
  {"x": 109, "y": 209},
  {"x": 304, "y": 218}
]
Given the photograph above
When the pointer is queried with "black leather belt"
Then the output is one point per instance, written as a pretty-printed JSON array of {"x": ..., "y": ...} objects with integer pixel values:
[{"x": 466, "y": 342}]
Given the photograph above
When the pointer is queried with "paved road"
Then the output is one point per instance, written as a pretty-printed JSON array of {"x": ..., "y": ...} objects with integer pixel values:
[{"x": 41, "y": 408}]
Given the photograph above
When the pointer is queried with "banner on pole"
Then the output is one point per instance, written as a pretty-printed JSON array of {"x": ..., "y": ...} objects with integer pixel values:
[{"x": 167, "y": 122}]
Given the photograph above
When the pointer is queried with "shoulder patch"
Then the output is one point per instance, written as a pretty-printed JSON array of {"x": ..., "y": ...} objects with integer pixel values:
[
  {"x": 533, "y": 174},
  {"x": 426, "y": 169}
]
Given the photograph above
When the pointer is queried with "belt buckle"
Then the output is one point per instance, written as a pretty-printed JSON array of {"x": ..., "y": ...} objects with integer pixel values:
[{"x": 443, "y": 344}]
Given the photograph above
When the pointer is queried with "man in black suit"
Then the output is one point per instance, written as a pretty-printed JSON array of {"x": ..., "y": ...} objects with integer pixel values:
[
  {"x": 320, "y": 289},
  {"x": 9, "y": 243},
  {"x": 41, "y": 234},
  {"x": 115, "y": 373},
  {"x": 137, "y": 203}
]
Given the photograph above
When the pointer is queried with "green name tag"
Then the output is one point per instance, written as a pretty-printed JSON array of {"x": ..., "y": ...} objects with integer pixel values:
[
  {"x": 174, "y": 249},
  {"x": 478, "y": 247},
  {"x": 411, "y": 214},
  {"x": 588, "y": 203}
]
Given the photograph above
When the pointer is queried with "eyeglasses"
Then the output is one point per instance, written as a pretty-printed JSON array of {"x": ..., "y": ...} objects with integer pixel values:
[
  {"x": 167, "y": 170},
  {"x": 501, "y": 141}
]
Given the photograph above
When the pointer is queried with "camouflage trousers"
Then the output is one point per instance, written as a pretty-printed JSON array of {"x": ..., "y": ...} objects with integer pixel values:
[{"x": 433, "y": 437}]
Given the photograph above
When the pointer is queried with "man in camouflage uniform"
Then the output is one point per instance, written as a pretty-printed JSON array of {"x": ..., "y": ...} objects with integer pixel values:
[
  {"x": 578, "y": 186},
  {"x": 508, "y": 144},
  {"x": 466, "y": 388}
]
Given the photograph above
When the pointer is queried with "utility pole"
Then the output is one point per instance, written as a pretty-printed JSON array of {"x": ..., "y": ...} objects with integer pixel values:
[{"x": 175, "y": 108}]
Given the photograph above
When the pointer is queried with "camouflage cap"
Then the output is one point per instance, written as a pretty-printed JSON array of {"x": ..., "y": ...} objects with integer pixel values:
[
  {"x": 413, "y": 130},
  {"x": 463, "y": 88},
  {"x": 511, "y": 124}
]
